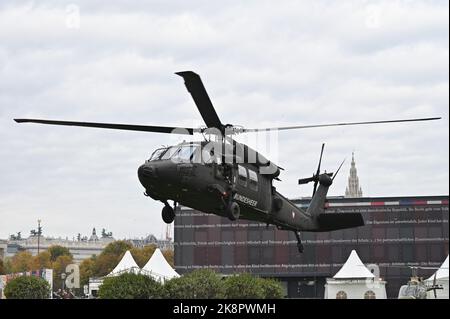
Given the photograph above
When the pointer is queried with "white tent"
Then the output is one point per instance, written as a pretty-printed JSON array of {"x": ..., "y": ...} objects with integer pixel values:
[
  {"x": 159, "y": 268},
  {"x": 126, "y": 265},
  {"x": 441, "y": 280},
  {"x": 353, "y": 268},
  {"x": 355, "y": 281}
]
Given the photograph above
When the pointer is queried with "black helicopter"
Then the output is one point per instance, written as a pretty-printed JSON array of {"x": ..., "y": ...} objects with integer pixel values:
[{"x": 228, "y": 178}]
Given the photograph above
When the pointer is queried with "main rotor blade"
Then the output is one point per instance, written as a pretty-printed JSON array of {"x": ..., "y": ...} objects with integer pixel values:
[
  {"x": 339, "y": 168},
  {"x": 127, "y": 127},
  {"x": 338, "y": 124},
  {"x": 318, "y": 170},
  {"x": 195, "y": 86}
]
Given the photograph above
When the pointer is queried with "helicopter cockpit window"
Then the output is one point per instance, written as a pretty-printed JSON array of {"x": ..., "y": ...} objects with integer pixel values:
[
  {"x": 253, "y": 180},
  {"x": 184, "y": 153},
  {"x": 157, "y": 154},
  {"x": 242, "y": 172},
  {"x": 170, "y": 151}
]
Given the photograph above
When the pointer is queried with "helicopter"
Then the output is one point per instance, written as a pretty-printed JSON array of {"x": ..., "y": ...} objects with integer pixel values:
[
  {"x": 417, "y": 288},
  {"x": 224, "y": 177}
]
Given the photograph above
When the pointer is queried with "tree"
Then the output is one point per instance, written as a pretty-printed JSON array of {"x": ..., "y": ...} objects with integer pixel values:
[
  {"x": 110, "y": 257},
  {"x": 27, "y": 287},
  {"x": 272, "y": 289},
  {"x": 7, "y": 265},
  {"x": 130, "y": 286},
  {"x": 43, "y": 260},
  {"x": 87, "y": 270},
  {"x": 243, "y": 286},
  {"x": 59, "y": 267},
  {"x": 118, "y": 248},
  {"x": 2, "y": 267},
  {"x": 199, "y": 284},
  {"x": 142, "y": 255},
  {"x": 22, "y": 261},
  {"x": 56, "y": 251},
  {"x": 168, "y": 254}
]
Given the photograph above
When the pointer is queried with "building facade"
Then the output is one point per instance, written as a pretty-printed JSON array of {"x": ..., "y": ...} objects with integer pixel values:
[
  {"x": 80, "y": 250},
  {"x": 398, "y": 232}
]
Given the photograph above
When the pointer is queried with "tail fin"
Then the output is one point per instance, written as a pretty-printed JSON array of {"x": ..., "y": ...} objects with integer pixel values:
[
  {"x": 330, "y": 221},
  {"x": 317, "y": 205},
  {"x": 316, "y": 209}
]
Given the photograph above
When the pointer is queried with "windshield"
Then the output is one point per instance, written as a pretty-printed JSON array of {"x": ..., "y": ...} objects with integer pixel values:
[
  {"x": 170, "y": 151},
  {"x": 184, "y": 153},
  {"x": 157, "y": 154}
]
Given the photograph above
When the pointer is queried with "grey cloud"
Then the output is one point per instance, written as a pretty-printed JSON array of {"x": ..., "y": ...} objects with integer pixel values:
[{"x": 263, "y": 65}]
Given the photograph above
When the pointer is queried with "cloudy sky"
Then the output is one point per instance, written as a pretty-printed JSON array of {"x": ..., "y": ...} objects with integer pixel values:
[{"x": 264, "y": 63}]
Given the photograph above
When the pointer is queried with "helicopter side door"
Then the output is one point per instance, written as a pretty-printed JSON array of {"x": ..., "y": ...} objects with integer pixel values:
[{"x": 250, "y": 187}]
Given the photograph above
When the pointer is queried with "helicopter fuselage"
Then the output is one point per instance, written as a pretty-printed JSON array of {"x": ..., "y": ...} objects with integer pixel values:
[{"x": 189, "y": 175}]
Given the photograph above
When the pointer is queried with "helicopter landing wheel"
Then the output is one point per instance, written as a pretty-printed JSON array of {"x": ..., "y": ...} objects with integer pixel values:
[
  {"x": 168, "y": 214},
  {"x": 233, "y": 211}
]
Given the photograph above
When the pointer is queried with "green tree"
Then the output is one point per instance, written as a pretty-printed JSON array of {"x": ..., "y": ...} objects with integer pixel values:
[
  {"x": 243, "y": 286},
  {"x": 27, "y": 287},
  {"x": 56, "y": 251},
  {"x": 272, "y": 288},
  {"x": 130, "y": 286},
  {"x": 199, "y": 284}
]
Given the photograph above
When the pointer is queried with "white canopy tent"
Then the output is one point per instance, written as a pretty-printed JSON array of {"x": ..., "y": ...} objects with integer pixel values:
[
  {"x": 158, "y": 267},
  {"x": 126, "y": 265},
  {"x": 354, "y": 281},
  {"x": 353, "y": 268},
  {"x": 441, "y": 280}
]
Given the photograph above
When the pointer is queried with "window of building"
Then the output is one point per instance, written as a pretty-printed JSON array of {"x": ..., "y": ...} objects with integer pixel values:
[
  {"x": 370, "y": 295},
  {"x": 406, "y": 232},
  {"x": 341, "y": 295},
  {"x": 242, "y": 172},
  {"x": 253, "y": 177},
  {"x": 435, "y": 232},
  {"x": 408, "y": 253}
]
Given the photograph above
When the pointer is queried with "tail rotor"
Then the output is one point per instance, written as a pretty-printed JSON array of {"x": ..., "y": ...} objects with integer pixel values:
[{"x": 316, "y": 178}]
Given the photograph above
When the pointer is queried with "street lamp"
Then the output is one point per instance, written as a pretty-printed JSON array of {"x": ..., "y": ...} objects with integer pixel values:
[
  {"x": 39, "y": 234},
  {"x": 63, "y": 277}
]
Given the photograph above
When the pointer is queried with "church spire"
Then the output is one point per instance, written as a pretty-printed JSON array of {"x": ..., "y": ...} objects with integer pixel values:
[{"x": 353, "y": 189}]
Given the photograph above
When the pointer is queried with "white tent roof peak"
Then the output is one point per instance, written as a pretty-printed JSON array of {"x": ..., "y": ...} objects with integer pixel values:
[
  {"x": 442, "y": 272},
  {"x": 158, "y": 267},
  {"x": 126, "y": 264},
  {"x": 353, "y": 268}
]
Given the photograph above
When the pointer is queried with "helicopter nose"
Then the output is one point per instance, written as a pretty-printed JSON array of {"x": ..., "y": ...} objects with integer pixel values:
[{"x": 146, "y": 173}]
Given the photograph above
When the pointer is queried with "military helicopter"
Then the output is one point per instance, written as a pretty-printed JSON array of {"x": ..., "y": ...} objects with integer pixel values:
[
  {"x": 222, "y": 176},
  {"x": 417, "y": 288}
]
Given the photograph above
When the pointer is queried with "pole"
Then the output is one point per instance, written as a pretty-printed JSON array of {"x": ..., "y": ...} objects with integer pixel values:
[{"x": 39, "y": 235}]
